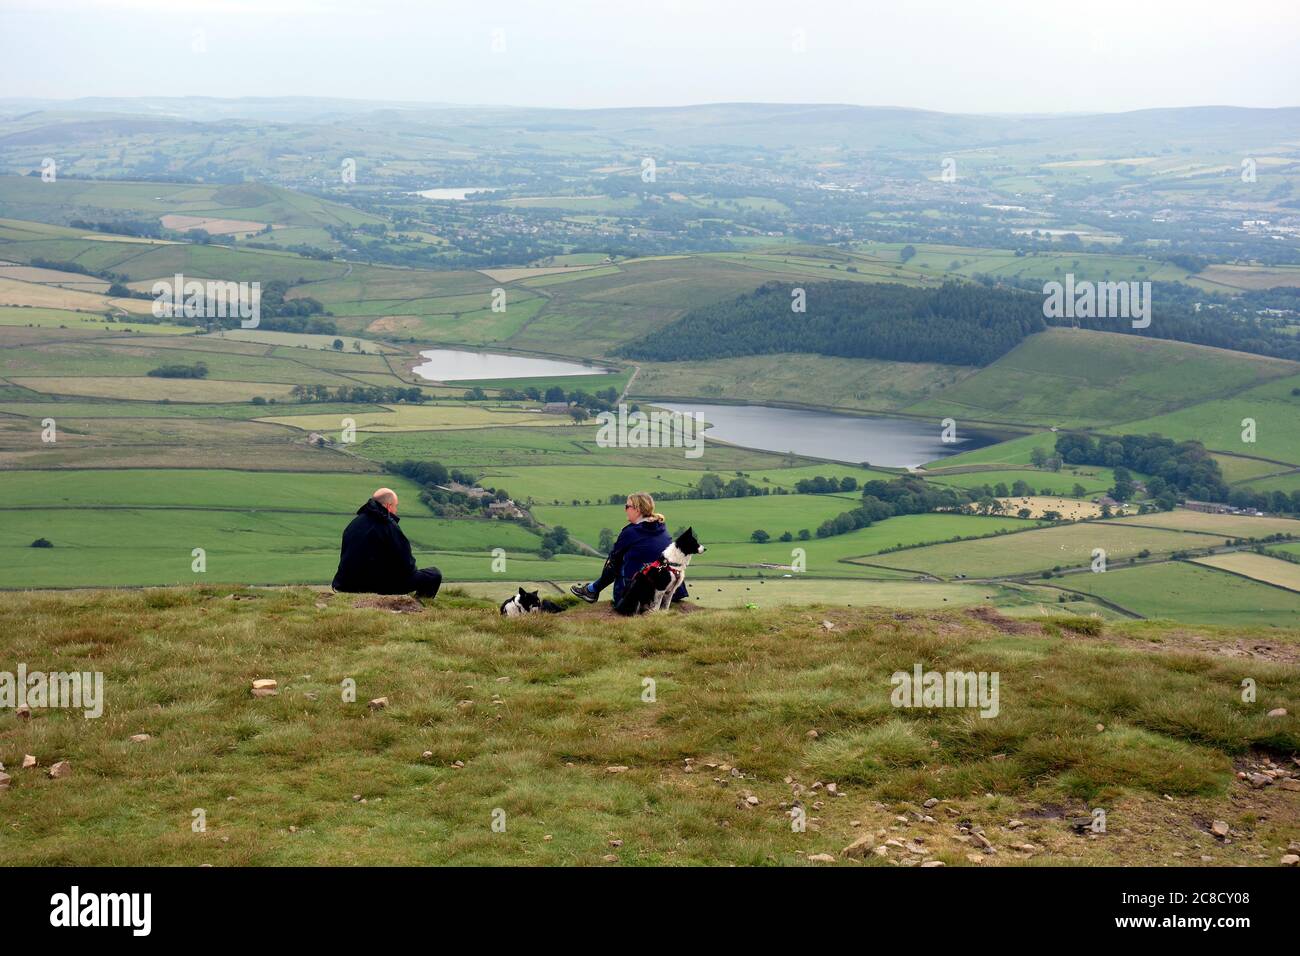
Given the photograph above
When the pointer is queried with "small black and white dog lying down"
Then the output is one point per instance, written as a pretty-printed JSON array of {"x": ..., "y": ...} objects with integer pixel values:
[
  {"x": 527, "y": 602},
  {"x": 655, "y": 584}
]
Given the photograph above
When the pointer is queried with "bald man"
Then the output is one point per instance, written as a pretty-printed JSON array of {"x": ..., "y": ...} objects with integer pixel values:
[{"x": 376, "y": 556}]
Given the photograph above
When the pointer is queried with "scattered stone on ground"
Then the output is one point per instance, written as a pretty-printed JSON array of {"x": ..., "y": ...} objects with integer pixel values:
[
  {"x": 1277, "y": 712},
  {"x": 379, "y": 703},
  {"x": 140, "y": 738},
  {"x": 28, "y": 761},
  {"x": 4, "y": 780},
  {"x": 60, "y": 769},
  {"x": 616, "y": 769},
  {"x": 821, "y": 858},
  {"x": 265, "y": 687},
  {"x": 859, "y": 847}
]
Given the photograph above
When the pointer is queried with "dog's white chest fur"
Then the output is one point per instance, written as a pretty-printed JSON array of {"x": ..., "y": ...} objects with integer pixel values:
[{"x": 676, "y": 560}]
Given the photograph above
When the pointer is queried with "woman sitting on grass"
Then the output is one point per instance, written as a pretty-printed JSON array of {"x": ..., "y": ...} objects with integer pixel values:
[{"x": 641, "y": 542}]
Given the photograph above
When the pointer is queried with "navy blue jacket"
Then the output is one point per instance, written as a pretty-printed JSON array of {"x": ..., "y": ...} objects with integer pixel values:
[
  {"x": 637, "y": 545},
  {"x": 375, "y": 557}
]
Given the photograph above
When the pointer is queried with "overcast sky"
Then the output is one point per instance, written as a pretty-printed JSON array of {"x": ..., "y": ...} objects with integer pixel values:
[{"x": 951, "y": 55}]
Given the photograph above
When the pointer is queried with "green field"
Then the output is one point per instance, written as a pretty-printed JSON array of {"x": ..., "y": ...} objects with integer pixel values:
[
  {"x": 126, "y": 546},
  {"x": 1042, "y": 549},
  {"x": 831, "y": 557},
  {"x": 1073, "y": 377},
  {"x": 1010, "y": 453},
  {"x": 719, "y": 521},
  {"x": 66, "y": 318},
  {"x": 140, "y": 527},
  {"x": 25, "y": 196},
  {"x": 198, "y": 488},
  {"x": 1193, "y": 593},
  {"x": 866, "y": 384},
  {"x": 1218, "y": 424},
  {"x": 1093, "y": 479},
  {"x": 556, "y": 484}
]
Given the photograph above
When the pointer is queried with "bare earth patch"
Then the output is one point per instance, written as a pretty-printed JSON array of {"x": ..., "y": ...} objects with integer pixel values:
[{"x": 397, "y": 603}]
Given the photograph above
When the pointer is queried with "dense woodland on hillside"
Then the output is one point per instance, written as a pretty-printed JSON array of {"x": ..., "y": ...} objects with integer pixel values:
[
  {"x": 956, "y": 324},
  {"x": 1255, "y": 321}
]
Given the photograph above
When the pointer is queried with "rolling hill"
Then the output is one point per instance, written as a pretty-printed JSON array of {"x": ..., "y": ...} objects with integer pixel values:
[{"x": 1081, "y": 378}]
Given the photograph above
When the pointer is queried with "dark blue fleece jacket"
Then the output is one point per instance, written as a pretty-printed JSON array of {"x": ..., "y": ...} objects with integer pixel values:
[{"x": 638, "y": 545}]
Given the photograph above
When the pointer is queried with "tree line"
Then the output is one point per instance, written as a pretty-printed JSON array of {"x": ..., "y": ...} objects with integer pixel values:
[
  {"x": 899, "y": 496},
  {"x": 358, "y": 393},
  {"x": 956, "y": 324},
  {"x": 1177, "y": 470}
]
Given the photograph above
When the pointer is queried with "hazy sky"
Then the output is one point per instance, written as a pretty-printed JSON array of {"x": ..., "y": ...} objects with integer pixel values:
[{"x": 952, "y": 55}]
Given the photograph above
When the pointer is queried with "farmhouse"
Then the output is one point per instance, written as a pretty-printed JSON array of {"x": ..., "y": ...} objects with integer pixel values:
[
  {"x": 505, "y": 509},
  {"x": 1209, "y": 507},
  {"x": 470, "y": 490},
  {"x": 556, "y": 408}
]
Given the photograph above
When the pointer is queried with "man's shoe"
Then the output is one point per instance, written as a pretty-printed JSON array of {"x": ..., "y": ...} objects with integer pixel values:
[{"x": 580, "y": 590}]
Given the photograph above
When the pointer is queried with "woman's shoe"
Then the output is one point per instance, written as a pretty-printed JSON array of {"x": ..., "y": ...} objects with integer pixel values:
[{"x": 580, "y": 590}]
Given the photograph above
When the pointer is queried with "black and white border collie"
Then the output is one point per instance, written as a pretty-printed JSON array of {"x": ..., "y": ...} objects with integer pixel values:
[
  {"x": 527, "y": 602},
  {"x": 677, "y": 556},
  {"x": 654, "y": 585}
]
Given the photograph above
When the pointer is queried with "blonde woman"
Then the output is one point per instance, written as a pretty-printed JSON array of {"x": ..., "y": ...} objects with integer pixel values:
[{"x": 643, "y": 540}]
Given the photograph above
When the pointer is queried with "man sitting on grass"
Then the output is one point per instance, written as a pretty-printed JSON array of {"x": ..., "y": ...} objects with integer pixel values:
[{"x": 376, "y": 556}]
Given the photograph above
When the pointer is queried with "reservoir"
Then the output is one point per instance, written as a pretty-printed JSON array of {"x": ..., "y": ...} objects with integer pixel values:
[
  {"x": 889, "y": 442},
  {"x": 455, "y": 365},
  {"x": 453, "y": 193}
]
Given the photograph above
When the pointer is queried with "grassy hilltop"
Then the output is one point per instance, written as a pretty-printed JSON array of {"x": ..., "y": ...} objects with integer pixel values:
[{"x": 547, "y": 719}]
